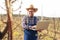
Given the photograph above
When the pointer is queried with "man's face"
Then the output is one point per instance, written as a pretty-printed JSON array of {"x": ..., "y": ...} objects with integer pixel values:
[{"x": 31, "y": 12}]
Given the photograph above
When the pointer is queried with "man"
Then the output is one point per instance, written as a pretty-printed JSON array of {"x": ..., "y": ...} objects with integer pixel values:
[{"x": 29, "y": 24}]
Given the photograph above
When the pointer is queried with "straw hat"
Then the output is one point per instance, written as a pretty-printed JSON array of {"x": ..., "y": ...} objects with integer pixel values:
[{"x": 32, "y": 8}]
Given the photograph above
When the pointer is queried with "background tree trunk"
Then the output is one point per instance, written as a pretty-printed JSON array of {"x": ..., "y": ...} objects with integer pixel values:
[{"x": 9, "y": 20}]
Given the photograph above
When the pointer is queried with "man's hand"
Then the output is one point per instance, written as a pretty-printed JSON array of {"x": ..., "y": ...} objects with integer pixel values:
[{"x": 33, "y": 27}]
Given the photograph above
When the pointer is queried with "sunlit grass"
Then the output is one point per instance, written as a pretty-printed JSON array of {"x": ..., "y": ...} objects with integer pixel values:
[{"x": 18, "y": 31}]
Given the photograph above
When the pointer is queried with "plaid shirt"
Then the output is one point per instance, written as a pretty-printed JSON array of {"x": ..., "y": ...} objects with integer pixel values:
[{"x": 29, "y": 22}]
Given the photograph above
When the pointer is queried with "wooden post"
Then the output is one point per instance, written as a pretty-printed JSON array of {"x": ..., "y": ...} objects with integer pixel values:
[{"x": 9, "y": 20}]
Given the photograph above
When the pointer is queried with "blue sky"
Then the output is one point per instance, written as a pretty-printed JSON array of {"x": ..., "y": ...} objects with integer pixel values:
[{"x": 48, "y": 8}]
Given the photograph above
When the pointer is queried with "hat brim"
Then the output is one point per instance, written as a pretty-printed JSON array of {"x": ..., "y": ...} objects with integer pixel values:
[{"x": 35, "y": 9}]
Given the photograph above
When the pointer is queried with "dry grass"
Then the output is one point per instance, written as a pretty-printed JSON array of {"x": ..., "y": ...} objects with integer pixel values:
[{"x": 45, "y": 34}]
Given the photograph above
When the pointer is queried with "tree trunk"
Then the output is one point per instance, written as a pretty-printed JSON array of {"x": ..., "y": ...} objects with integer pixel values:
[{"x": 9, "y": 20}]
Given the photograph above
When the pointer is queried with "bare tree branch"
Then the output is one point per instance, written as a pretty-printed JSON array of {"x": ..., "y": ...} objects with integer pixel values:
[
  {"x": 12, "y": 1},
  {"x": 19, "y": 7},
  {"x": 2, "y": 8}
]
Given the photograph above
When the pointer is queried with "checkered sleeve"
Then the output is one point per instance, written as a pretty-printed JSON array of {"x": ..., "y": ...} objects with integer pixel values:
[{"x": 23, "y": 23}]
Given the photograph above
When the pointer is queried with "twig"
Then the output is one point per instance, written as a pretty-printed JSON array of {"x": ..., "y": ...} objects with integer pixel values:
[
  {"x": 13, "y": 1},
  {"x": 2, "y": 7}
]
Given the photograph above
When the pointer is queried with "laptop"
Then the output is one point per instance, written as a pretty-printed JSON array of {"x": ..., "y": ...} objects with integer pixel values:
[{"x": 42, "y": 25}]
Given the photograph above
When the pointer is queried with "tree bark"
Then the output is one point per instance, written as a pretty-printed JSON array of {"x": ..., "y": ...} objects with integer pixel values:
[{"x": 9, "y": 20}]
